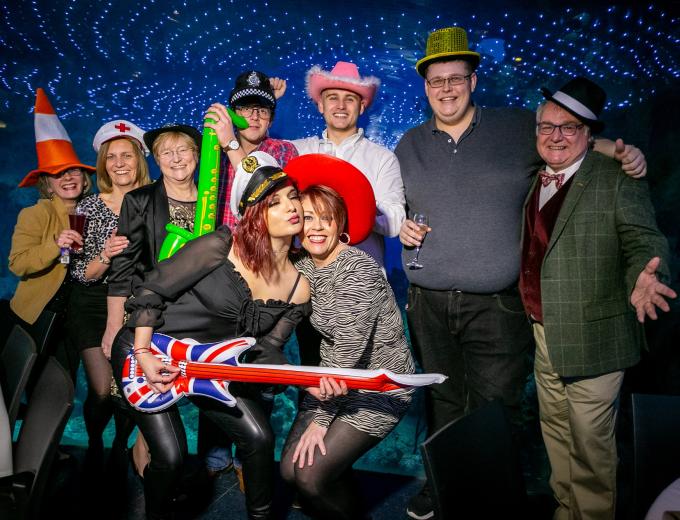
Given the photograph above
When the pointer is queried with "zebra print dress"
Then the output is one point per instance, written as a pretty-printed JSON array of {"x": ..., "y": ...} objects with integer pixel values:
[{"x": 354, "y": 309}]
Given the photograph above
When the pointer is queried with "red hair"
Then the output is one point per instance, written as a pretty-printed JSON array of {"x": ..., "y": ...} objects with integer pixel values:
[
  {"x": 327, "y": 202},
  {"x": 252, "y": 243}
]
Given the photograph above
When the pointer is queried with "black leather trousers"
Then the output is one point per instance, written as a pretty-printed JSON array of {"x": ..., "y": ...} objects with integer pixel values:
[{"x": 247, "y": 424}]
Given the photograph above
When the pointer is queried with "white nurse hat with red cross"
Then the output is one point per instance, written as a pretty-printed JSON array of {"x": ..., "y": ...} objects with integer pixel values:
[{"x": 117, "y": 129}]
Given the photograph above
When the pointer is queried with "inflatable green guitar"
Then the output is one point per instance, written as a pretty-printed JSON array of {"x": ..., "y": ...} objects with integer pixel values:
[{"x": 206, "y": 204}]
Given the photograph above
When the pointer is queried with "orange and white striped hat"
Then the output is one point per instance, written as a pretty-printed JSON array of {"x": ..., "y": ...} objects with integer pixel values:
[{"x": 52, "y": 143}]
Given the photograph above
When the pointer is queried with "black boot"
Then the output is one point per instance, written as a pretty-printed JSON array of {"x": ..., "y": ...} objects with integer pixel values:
[{"x": 159, "y": 487}]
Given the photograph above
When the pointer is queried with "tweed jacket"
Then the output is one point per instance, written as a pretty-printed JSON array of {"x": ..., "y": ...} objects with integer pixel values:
[
  {"x": 604, "y": 236},
  {"x": 34, "y": 257},
  {"x": 143, "y": 216}
]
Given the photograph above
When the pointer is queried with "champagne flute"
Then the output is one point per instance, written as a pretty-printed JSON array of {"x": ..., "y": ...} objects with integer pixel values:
[{"x": 421, "y": 221}]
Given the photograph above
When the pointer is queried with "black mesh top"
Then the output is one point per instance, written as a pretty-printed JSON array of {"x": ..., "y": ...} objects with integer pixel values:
[{"x": 198, "y": 294}]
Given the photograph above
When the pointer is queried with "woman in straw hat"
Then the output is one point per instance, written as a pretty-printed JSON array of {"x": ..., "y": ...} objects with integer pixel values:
[
  {"x": 43, "y": 231},
  {"x": 357, "y": 316},
  {"x": 121, "y": 167},
  {"x": 222, "y": 286}
]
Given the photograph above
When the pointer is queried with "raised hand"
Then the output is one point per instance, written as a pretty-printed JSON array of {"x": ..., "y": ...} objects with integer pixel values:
[
  {"x": 223, "y": 125},
  {"x": 632, "y": 160},
  {"x": 278, "y": 86}
]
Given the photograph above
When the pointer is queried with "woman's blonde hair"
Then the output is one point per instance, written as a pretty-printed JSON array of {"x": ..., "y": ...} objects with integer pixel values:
[
  {"x": 104, "y": 179},
  {"x": 44, "y": 187},
  {"x": 167, "y": 136}
]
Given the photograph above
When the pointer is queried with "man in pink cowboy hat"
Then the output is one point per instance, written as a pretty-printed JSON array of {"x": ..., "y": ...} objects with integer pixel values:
[
  {"x": 469, "y": 168},
  {"x": 341, "y": 96}
]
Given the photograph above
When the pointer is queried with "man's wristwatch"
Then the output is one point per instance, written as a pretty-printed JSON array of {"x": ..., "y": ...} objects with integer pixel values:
[{"x": 232, "y": 145}]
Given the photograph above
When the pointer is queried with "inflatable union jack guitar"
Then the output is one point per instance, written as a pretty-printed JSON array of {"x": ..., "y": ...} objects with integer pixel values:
[{"x": 207, "y": 368}]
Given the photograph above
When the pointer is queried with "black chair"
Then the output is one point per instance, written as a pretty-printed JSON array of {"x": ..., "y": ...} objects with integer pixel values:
[
  {"x": 473, "y": 467},
  {"x": 42, "y": 329},
  {"x": 656, "y": 447},
  {"x": 16, "y": 363},
  {"x": 48, "y": 411}
]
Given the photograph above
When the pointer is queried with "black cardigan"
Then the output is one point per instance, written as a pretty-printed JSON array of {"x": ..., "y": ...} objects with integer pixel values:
[{"x": 143, "y": 217}]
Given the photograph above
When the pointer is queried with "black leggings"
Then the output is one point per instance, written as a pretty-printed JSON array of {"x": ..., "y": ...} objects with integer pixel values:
[
  {"x": 247, "y": 424},
  {"x": 327, "y": 486}
]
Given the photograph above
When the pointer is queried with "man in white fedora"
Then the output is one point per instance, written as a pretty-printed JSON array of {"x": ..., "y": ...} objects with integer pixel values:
[{"x": 341, "y": 96}]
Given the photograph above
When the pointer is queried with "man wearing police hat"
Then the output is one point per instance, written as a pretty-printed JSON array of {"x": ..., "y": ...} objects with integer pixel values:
[{"x": 253, "y": 97}]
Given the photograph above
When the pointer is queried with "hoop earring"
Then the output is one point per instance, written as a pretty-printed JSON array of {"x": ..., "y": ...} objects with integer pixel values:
[{"x": 344, "y": 238}]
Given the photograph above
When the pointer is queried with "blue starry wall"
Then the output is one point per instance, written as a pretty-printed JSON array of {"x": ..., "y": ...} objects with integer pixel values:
[{"x": 153, "y": 62}]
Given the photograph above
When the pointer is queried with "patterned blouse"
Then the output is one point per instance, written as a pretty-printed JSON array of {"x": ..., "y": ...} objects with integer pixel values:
[
  {"x": 99, "y": 225},
  {"x": 354, "y": 309},
  {"x": 182, "y": 213}
]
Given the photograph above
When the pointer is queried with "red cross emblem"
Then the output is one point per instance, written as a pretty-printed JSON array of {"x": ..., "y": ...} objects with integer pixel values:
[{"x": 122, "y": 128}]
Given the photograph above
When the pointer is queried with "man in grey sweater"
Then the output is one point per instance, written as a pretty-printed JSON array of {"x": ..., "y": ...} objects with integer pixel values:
[{"x": 469, "y": 169}]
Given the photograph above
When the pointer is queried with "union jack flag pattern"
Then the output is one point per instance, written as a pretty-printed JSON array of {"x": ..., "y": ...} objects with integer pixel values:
[
  {"x": 140, "y": 395},
  {"x": 207, "y": 368}
]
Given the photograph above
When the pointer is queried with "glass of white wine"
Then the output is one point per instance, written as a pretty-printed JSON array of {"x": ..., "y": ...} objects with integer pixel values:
[{"x": 421, "y": 221}]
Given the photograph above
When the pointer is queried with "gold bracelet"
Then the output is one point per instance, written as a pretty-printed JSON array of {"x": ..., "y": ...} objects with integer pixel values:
[{"x": 105, "y": 261}]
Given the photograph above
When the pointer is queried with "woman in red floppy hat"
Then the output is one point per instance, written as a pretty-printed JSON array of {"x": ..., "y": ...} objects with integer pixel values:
[
  {"x": 42, "y": 231},
  {"x": 354, "y": 309}
]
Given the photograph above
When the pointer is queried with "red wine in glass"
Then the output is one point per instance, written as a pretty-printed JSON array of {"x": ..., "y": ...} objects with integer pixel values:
[{"x": 77, "y": 223}]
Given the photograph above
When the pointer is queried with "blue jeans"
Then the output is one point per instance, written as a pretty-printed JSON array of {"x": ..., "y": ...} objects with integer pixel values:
[
  {"x": 482, "y": 342},
  {"x": 218, "y": 458}
]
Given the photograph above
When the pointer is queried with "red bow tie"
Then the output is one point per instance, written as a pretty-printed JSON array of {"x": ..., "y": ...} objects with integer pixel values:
[{"x": 547, "y": 178}]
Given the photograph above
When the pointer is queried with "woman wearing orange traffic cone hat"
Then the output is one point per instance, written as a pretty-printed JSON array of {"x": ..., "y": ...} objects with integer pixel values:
[
  {"x": 52, "y": 143},
  {"x": 43, "y": 231}
]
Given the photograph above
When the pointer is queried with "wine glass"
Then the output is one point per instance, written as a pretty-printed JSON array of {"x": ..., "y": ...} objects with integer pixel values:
[
  {"x": 76, "y": 219},
  {"x": 421, "y": 221}
]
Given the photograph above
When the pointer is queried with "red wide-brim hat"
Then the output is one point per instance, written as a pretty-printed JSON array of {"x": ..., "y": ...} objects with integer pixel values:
[{"x": 346, "y": 180}]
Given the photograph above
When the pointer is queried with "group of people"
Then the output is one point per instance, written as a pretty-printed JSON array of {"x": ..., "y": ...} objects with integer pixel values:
[{"x": 568, "y": 258}]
